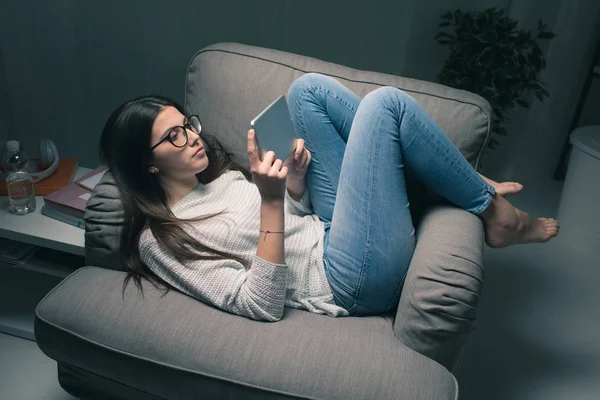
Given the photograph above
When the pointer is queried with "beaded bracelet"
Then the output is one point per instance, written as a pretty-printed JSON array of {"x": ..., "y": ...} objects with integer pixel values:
[{"x": 268, "y": 231}]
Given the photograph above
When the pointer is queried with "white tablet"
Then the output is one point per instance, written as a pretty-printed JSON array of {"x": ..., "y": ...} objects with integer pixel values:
[{"x": 274, "y": 130}]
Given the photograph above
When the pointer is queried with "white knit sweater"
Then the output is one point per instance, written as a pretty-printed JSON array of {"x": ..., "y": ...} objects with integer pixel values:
[{"x": 262, "y": 291}]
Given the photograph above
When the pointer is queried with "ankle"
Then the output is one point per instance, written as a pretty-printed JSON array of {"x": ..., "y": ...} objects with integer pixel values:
[{"x": 489, "y": 213}]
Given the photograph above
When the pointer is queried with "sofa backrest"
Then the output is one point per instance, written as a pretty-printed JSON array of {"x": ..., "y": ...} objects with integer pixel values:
[{"x": 228, "y": 84}]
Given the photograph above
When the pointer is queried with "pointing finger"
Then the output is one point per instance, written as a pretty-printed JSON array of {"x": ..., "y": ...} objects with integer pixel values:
[{"x": 252, "y": 150}]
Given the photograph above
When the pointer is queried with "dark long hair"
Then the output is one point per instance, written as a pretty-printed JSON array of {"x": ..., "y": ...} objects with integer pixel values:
[{"x": 125, "y": 149}]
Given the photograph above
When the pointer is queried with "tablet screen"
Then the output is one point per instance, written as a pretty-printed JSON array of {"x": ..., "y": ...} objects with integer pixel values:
[{"x": 274, "y": 129}]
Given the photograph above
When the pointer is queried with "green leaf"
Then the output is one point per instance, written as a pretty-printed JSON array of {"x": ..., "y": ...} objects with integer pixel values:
[
  {"x": 546, "y": 35},
  {"x": 447, "y": 16},
  {"x": 522, "y": 103},
  {"x": 501, "y": 131},
  {"x": 443, "y": 24},
  {"x": 444, "y": 42},
  {"x": 539, "y": 96},
  {"x": 443, "y": 34},
  {"x": 533, "y": 86}
]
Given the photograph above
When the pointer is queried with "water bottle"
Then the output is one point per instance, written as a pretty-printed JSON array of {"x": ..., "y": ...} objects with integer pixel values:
[{"x": 21, "y": 193}]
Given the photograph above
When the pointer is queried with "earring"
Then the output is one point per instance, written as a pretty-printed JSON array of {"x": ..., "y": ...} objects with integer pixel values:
[{"x": 153, "y": 169}]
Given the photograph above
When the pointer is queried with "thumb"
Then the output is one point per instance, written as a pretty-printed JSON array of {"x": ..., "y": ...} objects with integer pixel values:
[{"x": 289, "y": 161}]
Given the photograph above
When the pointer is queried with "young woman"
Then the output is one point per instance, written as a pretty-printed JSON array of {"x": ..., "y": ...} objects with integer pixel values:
[{"x": 327, "y": 230}]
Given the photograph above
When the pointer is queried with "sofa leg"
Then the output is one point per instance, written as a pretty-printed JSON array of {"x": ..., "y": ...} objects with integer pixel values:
[{"x": 78, "y": 382}]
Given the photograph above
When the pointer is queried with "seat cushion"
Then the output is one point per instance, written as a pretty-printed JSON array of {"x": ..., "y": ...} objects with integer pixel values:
[{"x": 176, "y": 347}]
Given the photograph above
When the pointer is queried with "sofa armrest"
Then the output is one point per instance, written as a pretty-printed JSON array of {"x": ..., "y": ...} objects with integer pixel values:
[{"x": 438, "y": 305}]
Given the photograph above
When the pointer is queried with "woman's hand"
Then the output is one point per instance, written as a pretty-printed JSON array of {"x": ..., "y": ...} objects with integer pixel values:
[
  {"x": 269, "y": 175},
  {"x": 298, "y": 161}
]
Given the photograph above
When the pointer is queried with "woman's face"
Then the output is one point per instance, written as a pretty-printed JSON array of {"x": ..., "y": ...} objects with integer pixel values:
[{"x": 174, "y": 162}]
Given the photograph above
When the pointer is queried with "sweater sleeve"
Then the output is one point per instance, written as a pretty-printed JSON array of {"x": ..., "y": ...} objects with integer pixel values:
[
  {"x": 302, "y": 207},
  {"x": 258, "y": 293}
]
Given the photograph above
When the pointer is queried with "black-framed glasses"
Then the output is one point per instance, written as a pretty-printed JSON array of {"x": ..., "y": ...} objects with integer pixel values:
[{"x": 178, "y": 134}]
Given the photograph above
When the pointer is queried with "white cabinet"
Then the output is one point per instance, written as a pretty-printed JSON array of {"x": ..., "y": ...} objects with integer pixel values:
[{"x": 22, "y": 287}]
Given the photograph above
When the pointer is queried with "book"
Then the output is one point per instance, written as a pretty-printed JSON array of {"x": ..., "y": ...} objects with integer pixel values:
[
  {"x": 64, "y": 174},
  {"x": 52, "y": 213},
  {"x": 14, "y": 252},
  {"x": 91, "y": 179},
  {"x": 70, "y": 200}
]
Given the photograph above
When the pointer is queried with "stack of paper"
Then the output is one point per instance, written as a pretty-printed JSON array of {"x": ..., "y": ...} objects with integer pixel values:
[
  {"x": 14, "y": 252},
  {"x": 68, "y": 204}
]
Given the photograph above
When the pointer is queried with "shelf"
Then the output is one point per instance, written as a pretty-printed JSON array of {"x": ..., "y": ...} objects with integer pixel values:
[
  {"x": 20, "y": 292},
  {"x": 50, "y": 262},
  {"x": 22, "y": 287},
  {"x": 40, "y": 230}
]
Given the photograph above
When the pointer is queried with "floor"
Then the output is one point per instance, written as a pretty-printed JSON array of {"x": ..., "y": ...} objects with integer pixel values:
[
  {"x": 536, "y": 337},
  {"x": 26, "y": 373},
  {"x": 538, "y": 328}
]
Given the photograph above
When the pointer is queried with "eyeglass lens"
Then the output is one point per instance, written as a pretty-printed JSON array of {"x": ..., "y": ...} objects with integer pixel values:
[{"x": 179, "y": 137}]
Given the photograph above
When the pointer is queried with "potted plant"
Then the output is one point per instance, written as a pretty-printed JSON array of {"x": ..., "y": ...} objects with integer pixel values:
[{"x": 490, "y": 56}]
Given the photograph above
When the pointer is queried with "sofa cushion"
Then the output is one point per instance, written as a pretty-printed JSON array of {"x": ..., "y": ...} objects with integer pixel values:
[
  {"x": 104, "y": 219},
  {"x": 176, "y": 347},
  {"x": 439, "y": 301}
]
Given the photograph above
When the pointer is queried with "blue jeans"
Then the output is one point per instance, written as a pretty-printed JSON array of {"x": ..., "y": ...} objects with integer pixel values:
[{"x": 361, "y": 150}]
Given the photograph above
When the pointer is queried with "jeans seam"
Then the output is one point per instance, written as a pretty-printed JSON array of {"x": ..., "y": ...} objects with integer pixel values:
[
  {"x": 442, "y": 149},
  {"x": 329, "y": 93},
  {"x": 485, "y": 204},
  {"x": 454, "y": 163},
  {"x": 366, "y": 256},
  {"x": 398, "y": 290},
  {"x": 299, "y": 110}
]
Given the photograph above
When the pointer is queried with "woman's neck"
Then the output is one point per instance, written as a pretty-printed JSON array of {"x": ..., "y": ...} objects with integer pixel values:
[{"x": 177, "y": 190}]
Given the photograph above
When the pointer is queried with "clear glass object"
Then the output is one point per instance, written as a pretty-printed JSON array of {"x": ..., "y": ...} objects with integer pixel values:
[{"x": 21, "y": 192}]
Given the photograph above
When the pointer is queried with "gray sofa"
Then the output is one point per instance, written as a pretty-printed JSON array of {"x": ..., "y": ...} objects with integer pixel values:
[{"x": 174, "y": 347}]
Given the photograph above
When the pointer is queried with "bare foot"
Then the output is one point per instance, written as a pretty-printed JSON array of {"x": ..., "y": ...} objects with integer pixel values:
[
  {"x": 504, "y": 188},
  {"x": 506, "y": 225}
]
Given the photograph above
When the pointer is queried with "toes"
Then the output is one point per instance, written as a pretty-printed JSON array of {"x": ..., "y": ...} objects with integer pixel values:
[
  {"x": 516, "y": 186},
  {"x": 508, "y": 188}
]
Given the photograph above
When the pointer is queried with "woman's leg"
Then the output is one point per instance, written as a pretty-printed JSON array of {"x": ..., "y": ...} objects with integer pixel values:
[
  {"x": 371, "y": 240},
  {"x": 322, "y": 111},
  {"x": 372, "y": 237},
  {"x": 358, "y": 166}
]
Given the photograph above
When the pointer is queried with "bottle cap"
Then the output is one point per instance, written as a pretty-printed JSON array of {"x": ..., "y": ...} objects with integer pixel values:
[{"x": 12, "y": 145}]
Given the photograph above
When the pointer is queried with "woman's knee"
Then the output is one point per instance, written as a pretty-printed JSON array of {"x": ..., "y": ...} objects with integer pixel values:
[
  {"x": 306, "y": 83},
  {"x": 391, "y": 98}
]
